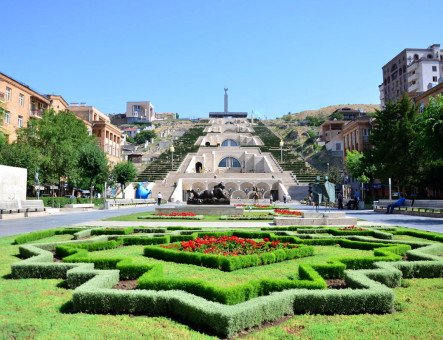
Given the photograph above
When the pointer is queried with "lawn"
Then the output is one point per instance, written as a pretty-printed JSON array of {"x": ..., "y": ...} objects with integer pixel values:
[
  {"x": 228, "y": 279},
  {"x": 36, "y": 308},
  {"x": 208, "y": 218}
]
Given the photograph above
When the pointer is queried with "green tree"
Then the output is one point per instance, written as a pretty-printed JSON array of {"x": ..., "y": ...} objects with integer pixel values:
[
  {"x": 429, "y": 144},
  {"x": 59, "y": 137},
  {"x": 124, "y": 173},
  {"x": 392, "y": 137},
  {"x": 145, "y": 135},
  {"x": 356, "y": 166},
  {"x": 93, "y": 166},
  {"x": 22, "y": 156}
]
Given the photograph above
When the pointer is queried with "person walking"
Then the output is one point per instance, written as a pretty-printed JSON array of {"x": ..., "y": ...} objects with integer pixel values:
[
  {"x": 159, "y": 198},
  {"x": 284, "y": 199},
  {"x": 340, "y": 200}
]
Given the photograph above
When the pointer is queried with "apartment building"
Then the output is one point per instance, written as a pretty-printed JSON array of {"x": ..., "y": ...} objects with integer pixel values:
[
  {"x": 108, "y": 136},
  {"x": 22, "y": 103},
  {"x": 412, "y": 71},
  {"x": 423, "y": 99},
  {"x": 355, "y": 135},
  {"x": 142, "y": 111}
]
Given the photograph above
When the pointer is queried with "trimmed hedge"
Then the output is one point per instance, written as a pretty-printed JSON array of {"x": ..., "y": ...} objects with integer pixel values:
[
  {"x": 112, "y": 231},
  {"x": 227, "y": 263},
  {"x": 251, "y": 217},
  {"x": 141, "y": 240},
  {"x": 38, "y": 235},
  {"x": 154, "y": 280}
]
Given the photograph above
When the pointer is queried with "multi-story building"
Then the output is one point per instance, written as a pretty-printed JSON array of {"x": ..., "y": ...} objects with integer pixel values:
[
  {"x": 108, "y": 136},
  {"x": 21, "y": 103},
  {"x": 165, "y": 115},
  {"x": 412, "y": 71},
  {"x": 423, "y": 99},
  {"x": 139, "y": 112},
  {"x": 355, "y": 135}
]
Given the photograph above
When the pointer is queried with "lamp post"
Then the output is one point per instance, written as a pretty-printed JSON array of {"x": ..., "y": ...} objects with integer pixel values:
[
  {"x": 328, "y": 168},
  {"x": 172, "y": 149},
  {"x": 281, "y": 150}
]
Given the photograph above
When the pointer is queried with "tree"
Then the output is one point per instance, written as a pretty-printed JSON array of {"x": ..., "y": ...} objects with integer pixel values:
[
  {"x": 93, "y": 166},
  {"x": 59, "y": 137},
  {"x": 392, "y": 136},
  {"x": 145, "y": 135},
  {"x": 356, "y": 166},
  {"x": 22, "y": 156},
  {"x": 124, "y": 173},
  {"x": 429, "y": 144}
]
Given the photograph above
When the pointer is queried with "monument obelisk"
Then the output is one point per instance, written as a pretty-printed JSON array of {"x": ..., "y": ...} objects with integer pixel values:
[{"x": 226, "y": 101}]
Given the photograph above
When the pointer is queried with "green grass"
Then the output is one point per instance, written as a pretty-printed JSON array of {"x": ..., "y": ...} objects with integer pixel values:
[
  {"x": 133, "y": 217},
  {"x": 31, "y": 309},
  {"x": 227, "y": 279}
]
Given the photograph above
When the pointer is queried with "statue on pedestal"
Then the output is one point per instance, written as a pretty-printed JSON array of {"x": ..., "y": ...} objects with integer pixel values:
[{"x": 217, "y": 196}]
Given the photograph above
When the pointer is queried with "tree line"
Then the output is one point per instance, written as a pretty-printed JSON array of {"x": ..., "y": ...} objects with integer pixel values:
[
  {"x": 59, "y": 148},
  {"x": 407, "y": 146}
]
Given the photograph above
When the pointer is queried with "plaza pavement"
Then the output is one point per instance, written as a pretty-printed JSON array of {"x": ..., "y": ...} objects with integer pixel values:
[{"x": 93, "y": 218}]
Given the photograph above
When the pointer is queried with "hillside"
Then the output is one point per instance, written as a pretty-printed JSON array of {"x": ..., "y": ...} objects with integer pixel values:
[{"x": 326, "y": 111}]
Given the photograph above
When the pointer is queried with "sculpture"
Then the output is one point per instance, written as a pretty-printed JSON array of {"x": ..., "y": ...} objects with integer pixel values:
[{"x": 215, "y": 197}]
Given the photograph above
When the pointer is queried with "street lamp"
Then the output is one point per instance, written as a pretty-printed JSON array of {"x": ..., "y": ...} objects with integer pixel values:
[
  {"x": 172, "y": 149},
  {"x": 281, "y": 150},
  {"x": 328, "y": 167}
]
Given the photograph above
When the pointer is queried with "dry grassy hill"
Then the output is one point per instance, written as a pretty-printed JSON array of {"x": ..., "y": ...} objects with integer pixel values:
[{"x": 326, "y": 111}]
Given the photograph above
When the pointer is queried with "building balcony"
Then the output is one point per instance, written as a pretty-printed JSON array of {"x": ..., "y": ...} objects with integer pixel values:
[
  {"x": 412, "y": 77},
  {"x": 36, "y": 113},
  {"x": 2, "y": 96}
]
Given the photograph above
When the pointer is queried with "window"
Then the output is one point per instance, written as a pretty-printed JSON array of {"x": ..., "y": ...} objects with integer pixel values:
[
  {"x": 21, "y": 99},
  {"x": 229, "y": 142},
  {"x": 20, "y": 121},
  {"x": 429, "y": 56},
  {"x": 434, "y": 68},
  {"x": 7, "y": 117},
  {"x": 8, "y": 94},
  {"x": 434, "y": 79},
  {"x": 337, "y": 146},
  {"x": 229, "y": 162}
]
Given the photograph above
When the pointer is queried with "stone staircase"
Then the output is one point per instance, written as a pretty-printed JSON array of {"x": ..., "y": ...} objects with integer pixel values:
[{"x": 303, "y": 172}]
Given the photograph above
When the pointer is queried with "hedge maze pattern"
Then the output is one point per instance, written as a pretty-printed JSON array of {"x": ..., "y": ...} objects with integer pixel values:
[{"x": 226, "y": 311}]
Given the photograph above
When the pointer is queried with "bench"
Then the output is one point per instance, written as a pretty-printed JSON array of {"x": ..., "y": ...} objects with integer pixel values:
[
  {"x": 19, "y": 209},
  {"x": 427, "y": 208},
  {"x": 118, "y": 203}
]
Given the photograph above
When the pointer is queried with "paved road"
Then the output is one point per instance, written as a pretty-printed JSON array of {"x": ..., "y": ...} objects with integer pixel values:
[
  {"x": 23, "y": 225},
  {"x": 19, "y": 226}
]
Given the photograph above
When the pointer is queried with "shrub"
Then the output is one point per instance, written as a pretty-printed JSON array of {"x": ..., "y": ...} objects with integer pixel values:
[{"x": 112, "y": 231}]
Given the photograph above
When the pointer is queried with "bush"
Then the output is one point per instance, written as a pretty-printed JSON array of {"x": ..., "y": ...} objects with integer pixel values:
[
  {"x": 63, "y": 201},
  {"x": 140, "y": 240},
  {"x": 112, "y": 231},
  {"x": 37, "y": 235},
  {"x": 162, "y": 217},
  {"x": 226, "y": 263}
]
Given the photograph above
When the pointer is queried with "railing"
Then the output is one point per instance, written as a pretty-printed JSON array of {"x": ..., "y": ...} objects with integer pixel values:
[{"x": 36, "y": 113}]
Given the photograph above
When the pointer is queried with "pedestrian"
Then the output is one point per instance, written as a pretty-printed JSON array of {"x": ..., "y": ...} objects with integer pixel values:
[
  {"x": 401, "y": 201},
  {"x": 159, "y": 198},
  {"x": 284, "y": 199},
  {"x": 270, "y": 200},
  {"x": 340, "y": 200}
]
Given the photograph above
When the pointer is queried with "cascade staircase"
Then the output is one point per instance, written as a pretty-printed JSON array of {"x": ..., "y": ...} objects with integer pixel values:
[
  {"x": 301, "y": 172},
  {"x": 162, "y": 171}
]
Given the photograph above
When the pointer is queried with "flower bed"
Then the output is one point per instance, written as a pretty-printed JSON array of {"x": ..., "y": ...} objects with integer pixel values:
[
  {"x": 288, "y": 212},
  {"x": 228, "y": 245},
  {"x": 177, "y": 214}
]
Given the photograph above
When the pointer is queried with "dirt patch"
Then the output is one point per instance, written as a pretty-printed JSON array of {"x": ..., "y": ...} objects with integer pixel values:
[
  {"x": 263, "y": 326},
  {"x": 336, "y": 284},
  {"x": 126, "y": 285},
  {"x": 295, "y": 330}
]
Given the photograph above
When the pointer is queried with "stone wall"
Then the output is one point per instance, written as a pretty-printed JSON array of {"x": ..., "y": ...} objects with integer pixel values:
[{"x": 12, "y": 183}]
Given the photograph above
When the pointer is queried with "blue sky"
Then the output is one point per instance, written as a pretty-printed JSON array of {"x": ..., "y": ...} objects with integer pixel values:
[{"x": 274, "y": 56}]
